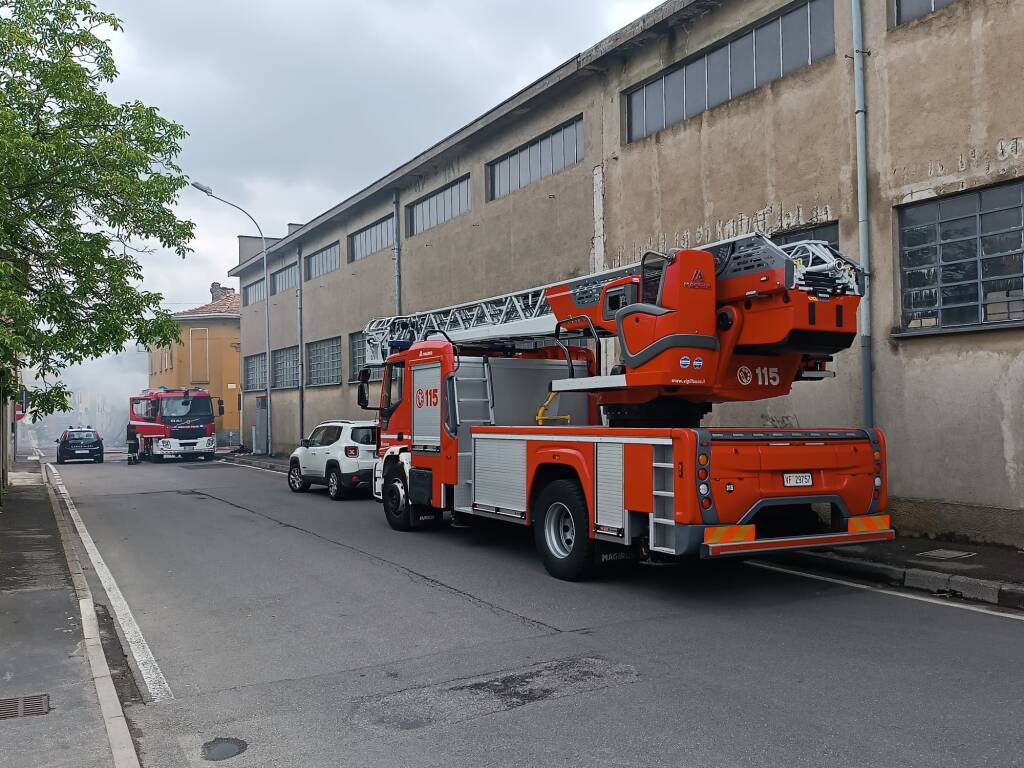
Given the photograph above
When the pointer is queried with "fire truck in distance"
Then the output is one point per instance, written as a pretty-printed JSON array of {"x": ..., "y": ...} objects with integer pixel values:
[
  {"x": 173, "y": 422},
  {"x": 502, "y": 409}
]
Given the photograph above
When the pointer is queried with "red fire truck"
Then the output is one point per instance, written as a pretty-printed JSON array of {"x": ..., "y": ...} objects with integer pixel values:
[
  {"x": 503, "y": 409},
  {"x": 173, "y": 422}
]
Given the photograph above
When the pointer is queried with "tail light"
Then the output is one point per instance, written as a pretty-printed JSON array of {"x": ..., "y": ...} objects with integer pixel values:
[{"x": 351, "y": 451}]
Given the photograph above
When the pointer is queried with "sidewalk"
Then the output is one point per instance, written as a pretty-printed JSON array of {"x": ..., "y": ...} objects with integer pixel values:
[
  {"x": 982, "y": 572},
  {"x": 42, "y": 649},
  {"x": 273, "y": 463}
]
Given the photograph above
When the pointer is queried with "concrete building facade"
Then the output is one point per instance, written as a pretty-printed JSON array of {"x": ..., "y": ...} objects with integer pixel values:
[
  {"x": 702, "y": 120},
  {"x": 208, "y": 356}
]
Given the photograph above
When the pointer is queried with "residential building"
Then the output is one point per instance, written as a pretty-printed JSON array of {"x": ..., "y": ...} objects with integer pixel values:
[
  {"x": 701, "y": 120},
  {"x": 208, "y": 357}
]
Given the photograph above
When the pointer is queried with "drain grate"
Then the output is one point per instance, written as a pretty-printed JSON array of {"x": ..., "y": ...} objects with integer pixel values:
[
  {"x": 25, "y": 705},
  {"x": 946, "y": 554}
]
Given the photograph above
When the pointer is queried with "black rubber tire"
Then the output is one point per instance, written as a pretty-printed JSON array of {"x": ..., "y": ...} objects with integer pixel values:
[
  {"x": 210, "y": 456},
  {"x": 395, "y": 496},
  {"x": 156, "y": 458},
  {"x": 334, "y": 487},
  {"x": 98, "y": 460},
  {"x": 295, "y": 482},
  {"x": 576, "y": 561},
  {"x": 59, "y": 459}
]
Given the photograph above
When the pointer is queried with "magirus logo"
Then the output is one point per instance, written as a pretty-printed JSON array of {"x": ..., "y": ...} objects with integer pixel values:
[{"x": 697, "y": 281}]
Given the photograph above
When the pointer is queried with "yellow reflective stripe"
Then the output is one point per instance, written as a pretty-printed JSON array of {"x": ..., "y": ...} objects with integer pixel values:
[
  {"x": 722, "y": 534},
  {"x": 867, "y": 523}
]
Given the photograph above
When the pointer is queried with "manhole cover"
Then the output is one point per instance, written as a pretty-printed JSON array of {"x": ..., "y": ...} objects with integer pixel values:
[
  {"x": 223, "y": 749},
  {"x": 25, "y": 705},
  {"x": 946, "y": 554}
]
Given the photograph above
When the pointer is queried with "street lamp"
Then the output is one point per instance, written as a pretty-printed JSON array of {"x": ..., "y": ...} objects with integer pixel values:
[{"x": 266, "y": 301}]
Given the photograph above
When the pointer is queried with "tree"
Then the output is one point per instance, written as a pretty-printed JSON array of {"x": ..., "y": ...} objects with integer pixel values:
[{"x": 86, "y": 185}]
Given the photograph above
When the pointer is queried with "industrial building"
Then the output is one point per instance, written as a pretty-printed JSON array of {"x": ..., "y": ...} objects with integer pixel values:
[{"x": 702, "y": 120}]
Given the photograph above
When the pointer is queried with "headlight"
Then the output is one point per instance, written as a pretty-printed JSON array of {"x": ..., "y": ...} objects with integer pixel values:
[{"x": 211, "y": 441}]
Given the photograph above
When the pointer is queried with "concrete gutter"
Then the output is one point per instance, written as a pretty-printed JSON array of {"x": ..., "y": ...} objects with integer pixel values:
[
  {"x": 122, "y": 749},
  {"x": 1002, "y": 593},
  {"x": 260, "y": 463}
]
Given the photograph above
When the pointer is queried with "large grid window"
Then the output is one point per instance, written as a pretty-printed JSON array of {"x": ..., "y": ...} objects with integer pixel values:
[
  {"x": 438, "y": 207},
  {"x": 254, "y": 292},
  {"x": 323, "y": 362},
  {"x": 255, "y": 372},
  {"x": 774, "y": 48},
  {"x": 323, "y": 261},
  {"x": 357, "y": 357},
  {"x": 961, "y": 259},
  {"x": 284, "y": 367},
  {"x": 376, "y": 237},
  {"x": 827, "y": 232},
  {"x": 284, "y": 279},
  {"x": 552, "y": 152},
  {"x": 908, "y": 10}
]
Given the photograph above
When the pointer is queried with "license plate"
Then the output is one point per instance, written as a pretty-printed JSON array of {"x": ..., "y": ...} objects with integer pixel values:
[
  {"x": 81, "y": 451},
  {"x": 797, "y": 479}
]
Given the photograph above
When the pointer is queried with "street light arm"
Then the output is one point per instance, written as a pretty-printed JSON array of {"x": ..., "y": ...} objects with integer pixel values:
[{"x": 240, "y": 208}]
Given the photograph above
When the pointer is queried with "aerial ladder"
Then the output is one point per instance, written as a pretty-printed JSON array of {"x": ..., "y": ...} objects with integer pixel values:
[{"x": 503, "y": 408}]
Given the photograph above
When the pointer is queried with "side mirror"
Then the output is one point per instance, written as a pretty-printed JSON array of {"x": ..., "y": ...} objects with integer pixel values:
[
  {"x": 220, "y": 407},
  {"x": 304, "y": 443},
  {"x": 57, "y": 440},
  {"x": 363, "y": 392}
]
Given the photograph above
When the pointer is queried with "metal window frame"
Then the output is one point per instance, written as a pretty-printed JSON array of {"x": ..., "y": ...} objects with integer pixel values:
[
  {"x": 323, "y": 362},
  {"x": 897, "y": 6},
  {"x": 256, "y": 286},
  {"x": 290, "y": 366},
  {"x": 258, "y": 373},
  {"x": 275, "y": 279},
  {"x": 492, "y": 192},
  {"x": 725, "y": 43},
  {"x": 318, "y": 259},
  {"x": 979, "y": 259},
  {"x": 411, "y": 208},
  {"x": 364, "y": 234}
]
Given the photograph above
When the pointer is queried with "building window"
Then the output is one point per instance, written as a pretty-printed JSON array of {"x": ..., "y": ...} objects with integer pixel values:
[
  {"x": 357, "y": 357},
  {"x": 254, "y": 292},
  {"x": 323, "y": 261},
  {"x": 551, "y": 153},
  {"x": 369, "y": 240},
  {"x": 284, "y": 368},
  {"x": 908, "y": 10},
  {"x": 438, "y": 207},
  {"x": 827, "y": 232},
  {"x": 255, "y": 372},
  {"x": 962, "y": 260},
  {"x": 774, "y": 48},
  {"x": 284, "y": 279},
  {"x": 323, "y": 361}
]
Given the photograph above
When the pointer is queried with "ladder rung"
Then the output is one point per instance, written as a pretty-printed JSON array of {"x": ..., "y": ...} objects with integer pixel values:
[
  {"x": 662, "y": 521},
  {"x": 474, "y": 399},
  {"x": 472, "y": 378},
  {"x": 666, "y": 494},
  {"x": 663, "y": 465}
]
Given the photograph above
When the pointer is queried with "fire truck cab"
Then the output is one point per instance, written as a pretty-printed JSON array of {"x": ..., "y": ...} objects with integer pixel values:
[{"x": 173, "y": 422}]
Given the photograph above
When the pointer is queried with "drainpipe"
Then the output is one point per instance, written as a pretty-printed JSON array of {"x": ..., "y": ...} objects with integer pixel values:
[
  {"x": 302, "y": 346},
  {"x": 863, "y": 218},
  {"x": 398, "y": 252}
]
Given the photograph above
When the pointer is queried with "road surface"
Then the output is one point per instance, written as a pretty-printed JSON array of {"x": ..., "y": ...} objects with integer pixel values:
[{"x": 320, "y": 637}]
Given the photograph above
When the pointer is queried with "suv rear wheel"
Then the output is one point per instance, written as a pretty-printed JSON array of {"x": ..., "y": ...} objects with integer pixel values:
[
  {"x": 295, "y": 481},
  {"x": 334, "y": 487}
]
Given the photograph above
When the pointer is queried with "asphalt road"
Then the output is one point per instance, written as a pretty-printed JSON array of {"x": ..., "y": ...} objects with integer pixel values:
[{"x": 320, "y": 637}]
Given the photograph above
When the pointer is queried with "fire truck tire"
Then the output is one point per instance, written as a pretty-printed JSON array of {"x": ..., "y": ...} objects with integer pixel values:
[
  {"x": 334, "y": 487},
  {"x": 395, "y": 495},
  {"x": 561, "y": 531},
  {"x": 295, "y": 482},
  {"x": 156, "y": 458}
]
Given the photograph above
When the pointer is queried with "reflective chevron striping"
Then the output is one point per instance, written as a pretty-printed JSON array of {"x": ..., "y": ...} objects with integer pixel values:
[
  {"x": 867, "y": 523},
  {"x": 721, "y": 534}
]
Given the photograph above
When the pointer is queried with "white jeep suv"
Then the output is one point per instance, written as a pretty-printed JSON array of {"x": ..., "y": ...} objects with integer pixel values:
[{"x": 339, "y": 454}]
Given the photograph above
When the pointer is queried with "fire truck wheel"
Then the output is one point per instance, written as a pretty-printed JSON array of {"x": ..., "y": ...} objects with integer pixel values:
[
  {"x": 295, "y": 481},
  {"x": 561, "y": 531},
  {"x": 395, "y": 494},
  {"x": 157, "y": 458},
  {"x": 334, "y": 487}
]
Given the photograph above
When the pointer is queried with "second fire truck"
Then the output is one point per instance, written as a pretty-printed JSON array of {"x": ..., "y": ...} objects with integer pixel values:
[
  {"x": 503, "y": 409},
  {"x": 173, "y": 423}
]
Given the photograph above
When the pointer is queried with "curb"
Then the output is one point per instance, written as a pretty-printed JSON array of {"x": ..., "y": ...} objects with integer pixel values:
[
  {"x": 1002, "y": 593},
  {"x": 122, "y": 749},
  {"x": 270, "y": 466}
]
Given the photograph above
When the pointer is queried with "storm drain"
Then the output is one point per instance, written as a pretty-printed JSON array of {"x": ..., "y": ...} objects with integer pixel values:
[
  {"x": 25, "y": 705},
  {"x": 223, "y": 748},
  {"x": 946, "y": 554}
]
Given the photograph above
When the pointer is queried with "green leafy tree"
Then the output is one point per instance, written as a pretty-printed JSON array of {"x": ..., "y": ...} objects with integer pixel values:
[{"x": 86, "y": 185}]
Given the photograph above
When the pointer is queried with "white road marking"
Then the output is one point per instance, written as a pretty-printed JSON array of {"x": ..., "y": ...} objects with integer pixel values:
[
  {"x": 281, "y": 471},
  {"x": 1004, "y": 614},
  {"x": 152, "y": 677}
]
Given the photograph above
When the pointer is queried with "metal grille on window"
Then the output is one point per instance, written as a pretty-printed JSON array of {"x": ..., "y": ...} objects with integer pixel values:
[
  {"x": 908, "y": 10},
  {"x": 323, "y": 361},
  {"x": 373, "y": 238},
  {"x": 256, "y": 372},
  {"x": 827, "y": 232},
  {"x": 439, "y": 207},
  {"x": 774, "y": 48},
  {"x": 254, "y": 292},
  {"x": 962, "y": 259},
  {"x": 551, "y": 153},
  {"x": 284, "y": 368},
  {"x": 284, "y": 279},
  {"x": 357, "y": 357},
  {"x": 323, "y": 261}
]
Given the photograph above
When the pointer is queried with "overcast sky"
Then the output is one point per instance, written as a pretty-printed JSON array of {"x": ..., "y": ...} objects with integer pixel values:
[{"x": 292, "y": 106}]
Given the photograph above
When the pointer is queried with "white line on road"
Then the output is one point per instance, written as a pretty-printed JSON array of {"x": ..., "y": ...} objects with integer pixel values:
[
  {"x": 892, "y": 592},
  {"x": 152, "y": 677}
]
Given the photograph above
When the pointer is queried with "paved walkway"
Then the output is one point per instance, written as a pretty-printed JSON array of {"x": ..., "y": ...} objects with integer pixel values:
[{"x": 41, "y": 642}]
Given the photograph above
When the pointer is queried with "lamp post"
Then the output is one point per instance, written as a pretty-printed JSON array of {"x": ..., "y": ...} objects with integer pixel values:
[{"x": 266, "y": 301}]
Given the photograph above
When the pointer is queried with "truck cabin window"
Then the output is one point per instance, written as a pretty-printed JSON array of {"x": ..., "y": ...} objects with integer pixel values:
[
  {"x": 186, "y": 406},
  {"x": 391, "y": 392}
]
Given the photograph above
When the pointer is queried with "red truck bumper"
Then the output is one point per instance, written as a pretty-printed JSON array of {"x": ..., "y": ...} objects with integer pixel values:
[{"x": 740, "y": 540}]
